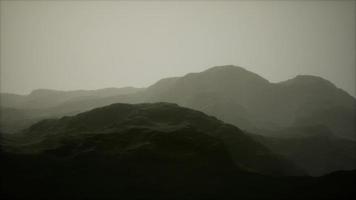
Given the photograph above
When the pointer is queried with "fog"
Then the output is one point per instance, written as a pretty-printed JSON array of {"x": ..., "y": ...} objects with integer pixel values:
[{"x": 71, "y": 45}]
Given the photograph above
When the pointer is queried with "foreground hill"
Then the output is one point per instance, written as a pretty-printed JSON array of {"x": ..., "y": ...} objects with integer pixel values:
[
  {"x": 151, "y": 151},
  {"x": 151, "y": 127}
]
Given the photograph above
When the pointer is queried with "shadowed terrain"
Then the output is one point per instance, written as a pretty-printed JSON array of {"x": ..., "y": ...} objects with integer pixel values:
[
  {"x": 313, "y": 148},
  {"x": 151, "y": 151}
]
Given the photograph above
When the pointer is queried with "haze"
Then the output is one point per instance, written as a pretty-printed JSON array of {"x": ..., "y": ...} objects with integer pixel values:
[{"x": 70, "y": 45}]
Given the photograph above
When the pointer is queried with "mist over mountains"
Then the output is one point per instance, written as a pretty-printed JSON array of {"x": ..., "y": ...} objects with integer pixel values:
[{"x": 219, "y": 128}]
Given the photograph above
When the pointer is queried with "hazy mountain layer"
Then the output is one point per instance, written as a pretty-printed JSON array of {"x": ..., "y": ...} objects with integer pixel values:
[
  {"x": 20, "y": 111},
  {"x": 314, "y": 149},
  {"x": 44, "y": 98}
]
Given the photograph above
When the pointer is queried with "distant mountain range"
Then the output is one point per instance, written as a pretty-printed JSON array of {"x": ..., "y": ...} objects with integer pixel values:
[
  {"x": 150, "y": 151},
  {"x": 310, "y": 114},
  {"x": 44, "y": 98},
  {"x": 230, "y": 93}
]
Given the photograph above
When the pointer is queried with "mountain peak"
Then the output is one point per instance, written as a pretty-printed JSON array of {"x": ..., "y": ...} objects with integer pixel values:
[
  {"x": 302, "y": 77},
  {"x": 233, "y": 71},
  {"x": 226, "y": 68},
  {"x": 43, "y": 91},
  {"x": 309, "y": 80}
]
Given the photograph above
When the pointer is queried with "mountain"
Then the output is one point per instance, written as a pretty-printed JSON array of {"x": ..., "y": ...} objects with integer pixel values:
[
  {"x": 151, "y": 151},
  {"x": 146, "y": 126},
  {"x": 249, "y": 101},
  {"x": 244, "y": 99},
  {"x": 234, "y": 95}
]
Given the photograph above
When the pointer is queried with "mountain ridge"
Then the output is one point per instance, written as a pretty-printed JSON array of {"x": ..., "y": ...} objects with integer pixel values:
[{"x": 254, "y": 102}]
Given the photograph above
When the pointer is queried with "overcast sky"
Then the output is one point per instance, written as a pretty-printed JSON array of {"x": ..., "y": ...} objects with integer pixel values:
[{"x": 70, "y": 45}]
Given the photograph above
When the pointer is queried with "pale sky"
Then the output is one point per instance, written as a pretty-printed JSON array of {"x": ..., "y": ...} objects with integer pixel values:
[{"x": 70, "y": 45}]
